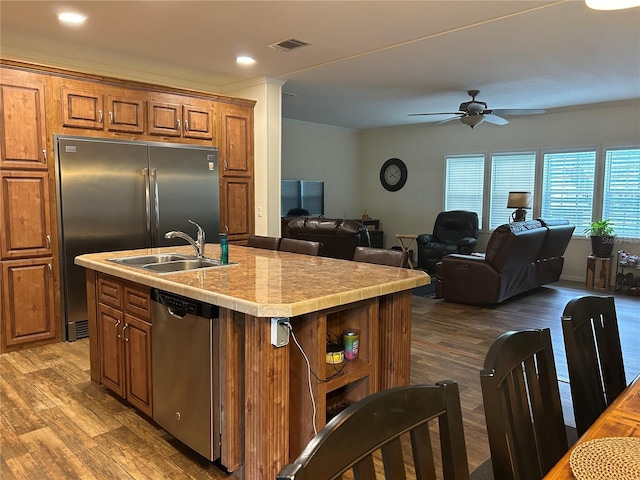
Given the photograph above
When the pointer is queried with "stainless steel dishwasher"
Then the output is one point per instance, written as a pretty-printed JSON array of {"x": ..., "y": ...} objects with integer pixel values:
[{"x": 186, "y": 398}]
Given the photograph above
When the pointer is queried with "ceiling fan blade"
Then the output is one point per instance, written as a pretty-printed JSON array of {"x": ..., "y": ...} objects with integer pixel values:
[
  {"x": 495, "y": 119},
  {"x": 440, "y": 113},
  {"x": 445, "y": 121},
  {"x": 516, "y": 111}
]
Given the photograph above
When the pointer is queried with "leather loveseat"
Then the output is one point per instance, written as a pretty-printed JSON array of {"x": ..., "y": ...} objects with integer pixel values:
[
  {"x": 339, "y": 237},
  {"x": 519, "y": 257}
]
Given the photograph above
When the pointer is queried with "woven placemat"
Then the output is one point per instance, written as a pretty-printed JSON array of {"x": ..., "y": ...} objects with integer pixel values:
[{"x": 613, "y": 458}]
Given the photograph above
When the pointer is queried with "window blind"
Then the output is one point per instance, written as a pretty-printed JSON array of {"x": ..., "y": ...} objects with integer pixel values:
[
  {"x": 464, "y": 182},
  {"x": 567, "y": 190},
  {"x": 621, "y": 200},
  {"x": 510, "y": 172}
]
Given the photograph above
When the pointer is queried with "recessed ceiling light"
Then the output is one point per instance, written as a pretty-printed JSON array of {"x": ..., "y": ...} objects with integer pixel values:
[
  {"x": 72, "y": 18},
  {"x": 612, "y": 4},
  {"x": 244, "y": 60}
]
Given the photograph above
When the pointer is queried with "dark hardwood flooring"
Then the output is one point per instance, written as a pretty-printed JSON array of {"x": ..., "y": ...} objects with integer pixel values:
[{"x": 56, "y": 424}]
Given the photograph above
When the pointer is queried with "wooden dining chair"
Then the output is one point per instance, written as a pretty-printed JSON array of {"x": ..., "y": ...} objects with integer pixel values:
[
  {"x": 522, "y": 405},
  {"x": 374, "y": 425},
  {"x": 594, "y": 356},
  {"x": 268, "y": 243},
  {"x": 381, "y": 256},
  {"x": 304, "y": 247}
]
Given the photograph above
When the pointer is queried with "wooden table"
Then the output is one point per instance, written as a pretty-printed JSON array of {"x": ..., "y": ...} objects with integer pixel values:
[
  {"x": 407, "y": 247},
  {"x": 620, "y": 419}
]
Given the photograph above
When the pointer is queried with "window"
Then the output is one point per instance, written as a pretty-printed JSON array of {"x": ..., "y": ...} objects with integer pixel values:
[
  {"x": 621, "y": 197},
  {"x": 305, "y": 194},
  {"x": 568, "y": 186},
  {"x": 510, "y": 172},
  {"x": 464, "y": 182}
]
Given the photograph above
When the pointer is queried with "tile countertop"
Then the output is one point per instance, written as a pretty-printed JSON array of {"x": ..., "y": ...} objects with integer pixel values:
[{"x": 265, "y": 283}]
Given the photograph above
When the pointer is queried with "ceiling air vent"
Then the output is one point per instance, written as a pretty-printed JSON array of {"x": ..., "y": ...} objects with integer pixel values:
[{"x": 288, "y": 45}]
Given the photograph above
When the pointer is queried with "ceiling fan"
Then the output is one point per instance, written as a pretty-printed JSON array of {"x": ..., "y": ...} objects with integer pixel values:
[{"x": 474, "y": 112}]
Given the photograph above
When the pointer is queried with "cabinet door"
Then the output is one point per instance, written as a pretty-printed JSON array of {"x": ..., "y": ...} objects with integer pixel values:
[
  {"x": 164, "y": 118},
  {"x": 27, "y": 303},
  {"x": 236, "y": 208},
  {"x": 137, "y": 346},
  {"x": 125, "y": 114},
  {"x": 110, "y": 324},
  {"x": 236, "y": 153},
  {"x": 82, "y": 109},
  {"x": 197, "y": 122},
  {"x": 24, "y": 214},
  {"x": 23, "y": 137}
]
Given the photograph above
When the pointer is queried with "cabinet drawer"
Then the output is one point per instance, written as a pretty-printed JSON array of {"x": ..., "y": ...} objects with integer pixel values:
[
  {"x": 109, "y": 292},
  {"x": 137, "y": 302}
]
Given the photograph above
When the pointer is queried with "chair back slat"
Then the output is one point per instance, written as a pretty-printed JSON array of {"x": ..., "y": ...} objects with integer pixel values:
[
  {"x": 594, "y": 356},
  {"x": 377, "y": 425},
  {"x": 522, "y": 405}
]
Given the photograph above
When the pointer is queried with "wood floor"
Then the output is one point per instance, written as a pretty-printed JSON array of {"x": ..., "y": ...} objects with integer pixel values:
[{"x": 56, "y": 424}]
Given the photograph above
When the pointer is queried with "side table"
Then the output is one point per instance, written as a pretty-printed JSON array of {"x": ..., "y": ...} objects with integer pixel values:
[
  {"x": 411, "y": 238},
  {"x": 598, "y": 268}
]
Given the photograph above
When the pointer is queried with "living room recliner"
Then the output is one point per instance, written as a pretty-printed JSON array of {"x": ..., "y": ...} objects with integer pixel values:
[
  {"x": 455, "y": 231},
  {"x": 520, "y": 256}
]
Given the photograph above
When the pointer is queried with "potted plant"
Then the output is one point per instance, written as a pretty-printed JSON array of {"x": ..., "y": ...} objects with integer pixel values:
[{"x": 602, "y": 237}]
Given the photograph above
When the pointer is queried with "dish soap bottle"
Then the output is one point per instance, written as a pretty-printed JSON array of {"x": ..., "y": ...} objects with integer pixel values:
[{"x": 224, "y": 249}]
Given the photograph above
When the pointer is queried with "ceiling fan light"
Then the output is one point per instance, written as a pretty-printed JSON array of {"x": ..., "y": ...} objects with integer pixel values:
[
  {"x": 612, "y": 4},
  {"x": 472, "y": 120}
]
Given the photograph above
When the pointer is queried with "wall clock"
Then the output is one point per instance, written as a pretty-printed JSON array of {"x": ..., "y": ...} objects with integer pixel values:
[{"x": 393, "y": 174}]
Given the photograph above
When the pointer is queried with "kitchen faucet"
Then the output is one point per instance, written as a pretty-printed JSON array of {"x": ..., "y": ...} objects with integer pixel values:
[{"x": 197, "y": 244}]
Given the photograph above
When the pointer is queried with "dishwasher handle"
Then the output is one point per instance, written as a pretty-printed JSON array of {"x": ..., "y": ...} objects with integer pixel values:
[{"x": 178, "y": 313}]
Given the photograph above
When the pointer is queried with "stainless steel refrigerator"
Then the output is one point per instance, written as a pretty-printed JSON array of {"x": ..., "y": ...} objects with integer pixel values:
[{"x": 121, "y": 195}]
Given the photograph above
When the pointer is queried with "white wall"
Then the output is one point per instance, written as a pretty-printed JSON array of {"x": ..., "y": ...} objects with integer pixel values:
[
  {"x": 414, "y": 208},
  {"x": 311, "y": 151}
]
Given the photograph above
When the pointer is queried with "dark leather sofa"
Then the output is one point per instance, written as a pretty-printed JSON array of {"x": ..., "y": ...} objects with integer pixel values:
[
  {"x": 519, "y": 257},
  {"x": 339, "y": 237}
]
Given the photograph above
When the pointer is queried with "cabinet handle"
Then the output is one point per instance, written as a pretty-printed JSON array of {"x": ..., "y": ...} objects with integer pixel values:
[
  {"x": 226, "y": 228},
  {"x": 178, "y": 121},
  {"x": 186, "y": 125},
  {"x": 225, "y": 165},
  {"x": 44, "y": 154},
  {"x": 48, "y": 241},
  {"x": 50, "y": 268},
  {"x": 124, "y": 337},
  {"x": 117, "y": 325},
  {"x": 111, "y": 118},
  {"x": 100, "y": 116}
]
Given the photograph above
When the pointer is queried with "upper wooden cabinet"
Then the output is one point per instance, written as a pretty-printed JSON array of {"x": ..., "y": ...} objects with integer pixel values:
[
  {"x": 179, "y": 120},
  {"x": 86, "y": 109},
  {"x": 23, "y": 137},
  {"x": 236, "y": 151},
  {"x": 24, "y": 214}
]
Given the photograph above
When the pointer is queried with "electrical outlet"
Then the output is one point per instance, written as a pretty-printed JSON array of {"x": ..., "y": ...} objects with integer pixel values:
[{"x": 279, "y": 332}]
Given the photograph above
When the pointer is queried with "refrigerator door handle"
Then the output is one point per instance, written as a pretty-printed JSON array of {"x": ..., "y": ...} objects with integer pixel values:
[
  {"x": 156, "y": 206},
  {"x": 147, "y": 203}
]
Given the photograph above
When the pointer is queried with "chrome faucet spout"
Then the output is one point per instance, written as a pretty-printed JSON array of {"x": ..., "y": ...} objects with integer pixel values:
[{"x": 198, "y": 245}]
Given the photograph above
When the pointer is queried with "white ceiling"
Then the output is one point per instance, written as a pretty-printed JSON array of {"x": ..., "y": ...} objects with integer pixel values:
[{"x": 370, "y": 63}]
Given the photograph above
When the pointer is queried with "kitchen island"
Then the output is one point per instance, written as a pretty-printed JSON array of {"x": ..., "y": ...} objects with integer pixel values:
[{"x": 267, "y": 413}]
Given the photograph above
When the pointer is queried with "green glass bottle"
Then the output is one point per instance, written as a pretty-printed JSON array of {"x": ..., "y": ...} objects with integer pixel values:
[{"x": 224, "y": 249}]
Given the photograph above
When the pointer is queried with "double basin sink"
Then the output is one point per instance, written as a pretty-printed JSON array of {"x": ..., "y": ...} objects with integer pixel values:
[{"x": 168, "y": 262}]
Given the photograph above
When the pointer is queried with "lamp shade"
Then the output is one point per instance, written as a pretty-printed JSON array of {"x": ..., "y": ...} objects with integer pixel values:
[{"x": 519, "y": 200}]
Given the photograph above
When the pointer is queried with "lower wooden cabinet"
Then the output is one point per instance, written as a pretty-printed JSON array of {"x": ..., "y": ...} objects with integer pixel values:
[
  {"x": 28, "y": 316},
  {"x": 124, "y": 341}
]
